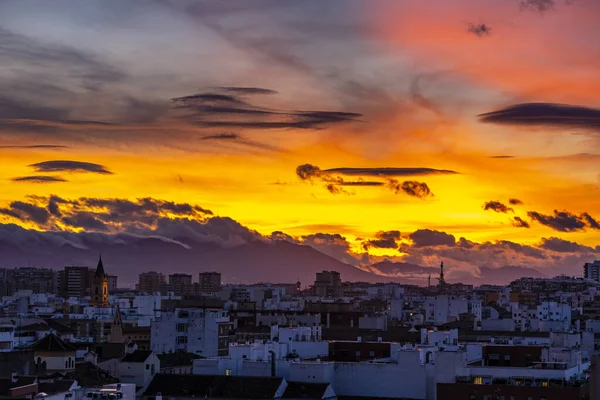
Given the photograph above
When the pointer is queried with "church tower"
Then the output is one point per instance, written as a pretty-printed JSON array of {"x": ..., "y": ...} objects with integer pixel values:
[
  {"x": 99, "y": 295},
  {"x": 116, "y": 329},
  {"x": 442, "y": 284}
]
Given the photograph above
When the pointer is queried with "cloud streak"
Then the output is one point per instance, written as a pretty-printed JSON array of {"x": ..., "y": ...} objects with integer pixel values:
[
  {"x": 545, "y": 115},
  {"x": 39, "y": 179},
  {"x": 70, "y": 166}
]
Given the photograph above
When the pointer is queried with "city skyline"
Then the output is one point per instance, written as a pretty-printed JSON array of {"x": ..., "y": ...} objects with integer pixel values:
[{"x": 465, "y": 132}]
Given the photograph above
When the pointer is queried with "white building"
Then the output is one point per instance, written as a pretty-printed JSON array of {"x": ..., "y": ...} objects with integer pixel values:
[
  {"x": 138, "y": 367},
  {"x": 591, "y": 271},
  {"x": 7, "y": 337},
  {"x": 189, "y": 330}
]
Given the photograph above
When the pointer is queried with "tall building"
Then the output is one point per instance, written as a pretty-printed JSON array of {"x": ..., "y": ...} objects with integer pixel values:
[
  {"x": 112, "y": 283},
  {"x": 151, "y": 282},
  {"x": 591, "y": 271},
  {"x": 209, "y": 282},
  {"x": 328, "y": 284},
  {"x": 38, "y": 280},
  {"x": 75, "y": 281},
  {"x": 99, "y": 295},
  {"x": 181, "y": 284},
  {"x": 204, "y": 332}
]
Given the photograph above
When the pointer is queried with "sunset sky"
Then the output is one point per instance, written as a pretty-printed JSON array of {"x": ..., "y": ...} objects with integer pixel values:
[{"x": 356, "y": 126}]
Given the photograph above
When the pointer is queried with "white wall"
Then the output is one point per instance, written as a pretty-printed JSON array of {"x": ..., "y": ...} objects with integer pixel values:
[{"x": 139, "y": 373}]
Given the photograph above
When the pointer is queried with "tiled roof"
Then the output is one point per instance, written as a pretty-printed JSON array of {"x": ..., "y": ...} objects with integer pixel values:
[
  {"x": 241, "y": 387},
  {"x": 51, "y": 342},
  {"x": 137, "y": 356},
  {"x": 299, "y": 390}
]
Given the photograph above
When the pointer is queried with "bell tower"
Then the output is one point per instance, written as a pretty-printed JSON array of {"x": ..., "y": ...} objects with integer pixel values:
[{"x": 99, "y": 295}]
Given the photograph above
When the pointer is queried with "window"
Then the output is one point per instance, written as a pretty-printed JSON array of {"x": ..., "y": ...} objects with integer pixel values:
[
  {"x": 181, "y": 327},
  {"x": 358, "y": 354},
  {"x": 181, "y": 340},
  {"x": 147, "y": 367},
  {"x": 545, "y": 384},
  {"x": 507, "y": 357},
  {"x": 228, "y": 372},
  {"x": 371, "y": 354},
  {"x": 478, "y": 380}
]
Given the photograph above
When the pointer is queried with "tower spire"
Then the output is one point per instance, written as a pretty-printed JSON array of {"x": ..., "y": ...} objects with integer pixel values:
[{"x": 442, "y": 281}]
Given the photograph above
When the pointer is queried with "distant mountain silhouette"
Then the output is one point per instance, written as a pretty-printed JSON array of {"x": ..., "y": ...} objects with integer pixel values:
[{"x": 279, "y": 261}]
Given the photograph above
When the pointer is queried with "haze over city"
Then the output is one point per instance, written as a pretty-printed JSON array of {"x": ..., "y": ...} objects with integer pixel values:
[{"x": 271, "y": 140}]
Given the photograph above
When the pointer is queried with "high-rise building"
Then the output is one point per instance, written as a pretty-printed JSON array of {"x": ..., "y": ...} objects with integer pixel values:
[
  {"x": 38, "y": 280},
  {"x": 112, "y": 283},
  {"x": 328, "y": 284},
  {"x": 151, "y": 282},
  {"x": 181, "y": 284},
  {"x": 75, "y": 281},
  {"x": 591, "y": 271},
  {"x": 209, "y": 282},
  {"x": 99, "y": 295}
]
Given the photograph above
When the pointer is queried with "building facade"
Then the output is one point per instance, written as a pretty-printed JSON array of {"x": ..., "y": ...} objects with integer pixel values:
[{"x": 209, "y": 282}]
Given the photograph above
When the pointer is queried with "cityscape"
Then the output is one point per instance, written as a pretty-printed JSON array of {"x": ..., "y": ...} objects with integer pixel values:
[
  {"x": 75, "y": 332},
  {"x": 300, "y": 199}
]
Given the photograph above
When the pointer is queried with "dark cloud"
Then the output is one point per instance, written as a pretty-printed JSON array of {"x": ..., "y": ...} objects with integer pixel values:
[
  {"x": 39, "y": 179},
  {"x": 104, "y": 215},
  {"x": 540, "y": 6},
  {"x": 428, "y": 237},
  {"x": 563, "y": 246},
  {"x": 335, "y": 189},
  {"x": 518, "y": 222},
  {"x": 247, "y": 90},
  {"x": 204, "y": 98},
  {"x": 515, "y": 202},
  {"x": 411, "y": 188},
  {"x": 222, "y": 136},
  {"x": 362, "y": 183},
  {"x": 497, "y": 206},
  {"x": 502, "y": 157},
  {"x": 545, "y": 115},
  {"x": 26, "y": 212},
  {"x": 309, "y": 172},
  {"x": 85, "y": 220},
  {"x": 389, "y": 171},
  {"x": 479, "y": 29},
  {"x": 564, "y": 221},
  {"x": 225, "y": 110},
  {"x": 35, "y": 146},
  {"x": 384, "y": 240},
  {"x": 70, "y": 166}
]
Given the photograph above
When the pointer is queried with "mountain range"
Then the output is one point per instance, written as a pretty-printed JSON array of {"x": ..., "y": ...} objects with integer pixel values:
[{"x": 254, "y": 261}]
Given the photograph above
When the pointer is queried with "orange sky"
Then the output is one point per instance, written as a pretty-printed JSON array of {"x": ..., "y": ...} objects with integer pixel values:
[{"x": 412, "y": 69}]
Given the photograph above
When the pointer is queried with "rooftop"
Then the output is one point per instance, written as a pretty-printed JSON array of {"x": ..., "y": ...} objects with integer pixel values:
[
  {"x": 188, "y": 386},
  {"x": 137, "y": 356},
  {"x": 51, "y": 342}
]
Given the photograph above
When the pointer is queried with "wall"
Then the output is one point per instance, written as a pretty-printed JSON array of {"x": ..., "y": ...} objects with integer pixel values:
[
  {"x": 504, "y": 325},
  {"x": 139, "y": 373},
  {"x": 465, "y": 391},
  {"x": 56, "y": 361},
  {"x": 407, "y": 378}
]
